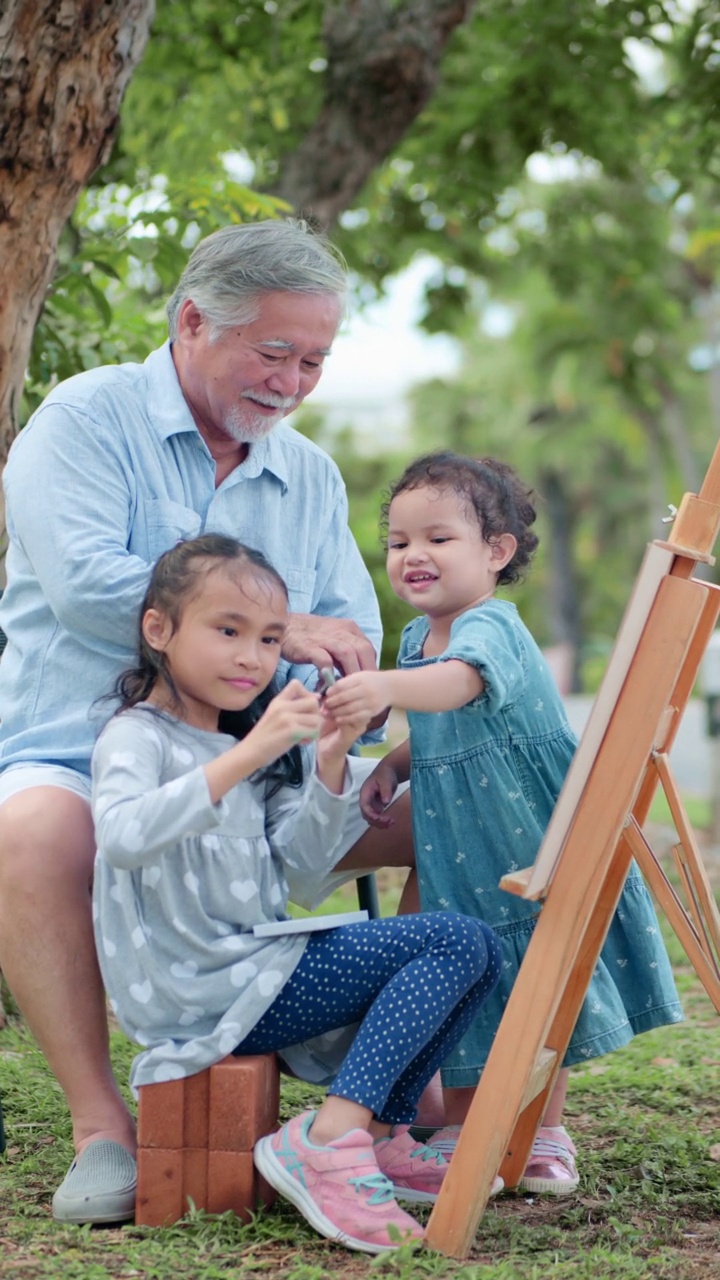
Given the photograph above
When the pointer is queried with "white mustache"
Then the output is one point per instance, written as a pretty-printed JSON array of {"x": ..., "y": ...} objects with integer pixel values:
[{"x": 270, "y": 402}]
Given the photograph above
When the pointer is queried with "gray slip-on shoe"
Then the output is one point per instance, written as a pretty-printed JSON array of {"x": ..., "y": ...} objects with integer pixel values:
[{"x": 98, "y": 1187}]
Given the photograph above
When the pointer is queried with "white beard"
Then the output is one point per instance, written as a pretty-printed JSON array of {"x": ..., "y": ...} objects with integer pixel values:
[{"x": 246, "y": 425}]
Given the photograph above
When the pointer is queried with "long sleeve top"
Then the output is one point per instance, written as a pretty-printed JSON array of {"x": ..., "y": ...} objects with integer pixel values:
[{"x": 180, "y": 882}]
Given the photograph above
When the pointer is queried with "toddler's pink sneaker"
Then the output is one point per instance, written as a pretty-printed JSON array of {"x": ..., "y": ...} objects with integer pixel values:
[
  {"x": 551, "y": 1169},
  {"x": 445, "y": 1142},
  {"x": 339, "y": 1188},
  {"x": 445, "y": 1139},
  {"x": 416, "y": 1171}
]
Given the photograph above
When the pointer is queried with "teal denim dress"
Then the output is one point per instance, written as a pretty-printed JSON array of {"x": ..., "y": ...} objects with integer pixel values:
[{"x": 484, "y": 782}]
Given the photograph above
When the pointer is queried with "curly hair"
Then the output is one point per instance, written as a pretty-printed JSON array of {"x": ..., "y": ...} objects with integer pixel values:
[{"x": 490, "y": 490}]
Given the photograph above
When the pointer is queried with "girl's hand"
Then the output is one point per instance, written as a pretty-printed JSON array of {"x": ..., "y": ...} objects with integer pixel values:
[
  {"x": 377, "y": 793},
  {"x": 293, "y": 716},
  {"x": 364, "y": 694},
  {"x": 337, "y": 739}
]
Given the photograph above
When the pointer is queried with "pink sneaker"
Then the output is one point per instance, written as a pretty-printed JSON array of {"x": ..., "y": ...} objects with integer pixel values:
[
  {"x": 445, "y": 1139},
  {"x": 445, "y": 1142},
  {"x": 415, "y": 1171},
  {"x": 338, "y": 1188},
  {"x": 551, "y": 1168}
]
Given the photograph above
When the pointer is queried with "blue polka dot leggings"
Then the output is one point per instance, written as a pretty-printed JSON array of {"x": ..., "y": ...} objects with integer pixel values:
[{"x": 414, "y": 983}]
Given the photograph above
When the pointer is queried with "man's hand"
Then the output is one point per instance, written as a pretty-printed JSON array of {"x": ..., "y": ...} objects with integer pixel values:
[{"x": 327, "y": 642}]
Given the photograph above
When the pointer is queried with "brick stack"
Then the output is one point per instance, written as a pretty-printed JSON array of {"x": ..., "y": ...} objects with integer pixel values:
[{"x": 196, "y": 1137}]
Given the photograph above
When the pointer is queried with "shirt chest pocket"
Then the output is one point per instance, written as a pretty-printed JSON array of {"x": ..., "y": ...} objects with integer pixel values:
[
  {"x": 301, "y": 587},
  {"x": 168, "y": 522}
]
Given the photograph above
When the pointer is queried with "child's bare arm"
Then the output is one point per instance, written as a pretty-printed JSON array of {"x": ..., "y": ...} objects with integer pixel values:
[
  {"x": 293, "y": 716},
  {"x": 378, "y": 790},
  {"x": 444, "y": 686}
]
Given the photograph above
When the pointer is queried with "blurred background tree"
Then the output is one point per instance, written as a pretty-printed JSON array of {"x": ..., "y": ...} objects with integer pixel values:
[{"x": 423, "y": 127}]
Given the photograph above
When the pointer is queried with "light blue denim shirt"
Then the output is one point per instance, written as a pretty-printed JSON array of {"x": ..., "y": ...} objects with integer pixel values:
[{"x": 110, "y": 472}]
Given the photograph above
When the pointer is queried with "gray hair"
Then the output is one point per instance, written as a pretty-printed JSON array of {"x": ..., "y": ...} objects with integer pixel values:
[{"x": 229, "y": 270}]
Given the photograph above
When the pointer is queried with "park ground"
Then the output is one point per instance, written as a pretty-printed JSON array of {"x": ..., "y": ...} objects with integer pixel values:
[{"x": 646, "y": 1120}]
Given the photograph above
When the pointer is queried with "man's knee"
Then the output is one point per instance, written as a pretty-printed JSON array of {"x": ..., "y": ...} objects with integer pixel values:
[{"x": 46, "y": 834}]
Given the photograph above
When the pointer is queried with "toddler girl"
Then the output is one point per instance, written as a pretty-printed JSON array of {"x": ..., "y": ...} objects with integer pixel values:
[
  {"x": 488, "y": 751},
  {"x": 199, "y": 805}
]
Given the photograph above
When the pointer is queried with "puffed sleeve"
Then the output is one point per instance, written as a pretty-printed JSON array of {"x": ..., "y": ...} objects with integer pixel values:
[{"x": 486, "y": 639}]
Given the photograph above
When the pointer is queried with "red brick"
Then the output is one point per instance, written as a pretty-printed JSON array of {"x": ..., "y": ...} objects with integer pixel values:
[
  {"x": 196, "y": 1138},
  {"x": 264, "y": 1193},
  {"x": 159, "y": 1198},
  {"x": 194, "y": 1186},
  {"x": 244, "y": 1101},
  {"x": 231, "y": 1183},
  {"x": 197, "y": 1109},
  {"x": 160, "y": 1115}
]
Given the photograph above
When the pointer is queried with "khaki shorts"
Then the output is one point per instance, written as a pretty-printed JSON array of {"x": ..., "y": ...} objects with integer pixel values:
[{"x": 21, "y": 777}]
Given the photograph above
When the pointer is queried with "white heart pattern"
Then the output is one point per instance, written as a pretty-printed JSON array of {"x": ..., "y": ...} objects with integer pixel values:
[
  {"x": 141, "y": 991},
  {"x": 234, "y": 943},
  {"x": 151, "y": 876},
  {"x": 230, "y": 1035},
  {"x": 116, "y": 893},
  {"x": 109, "y": 947},
  {"x": 242, "y": 973},
  {"x": 181, "y": 754},
  {"x": 190, "y": 1015},
  {"x": 191, "y": 882},
  {"x": 243, "y": 890},
  {"x": 269, "y": 981},
  {"x": 183, "y": 969},
  {"x": 168, "y": 1071},
  {"x": 139, "y": 937},
  {"x": 123, "y": 759}
]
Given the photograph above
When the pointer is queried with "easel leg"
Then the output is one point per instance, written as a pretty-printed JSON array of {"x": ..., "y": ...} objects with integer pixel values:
[
  {"x": 705, "y": 968},
  {"x": 695, "y": 871}
]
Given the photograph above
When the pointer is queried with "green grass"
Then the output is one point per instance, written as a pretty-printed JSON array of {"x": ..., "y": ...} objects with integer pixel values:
[
  {"x": 646, "y": 1120},
  {"x": 697, "y": 808}
]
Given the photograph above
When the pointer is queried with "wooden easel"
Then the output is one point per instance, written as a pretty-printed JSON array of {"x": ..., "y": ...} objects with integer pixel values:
[{"x": 584, "y": 859}]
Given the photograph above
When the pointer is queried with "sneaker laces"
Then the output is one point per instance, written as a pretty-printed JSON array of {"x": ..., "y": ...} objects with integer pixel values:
[
  {"x": 427, "y": 1153},
  {"x": 381, "y": 1188},
  {"x": 550, "y": 1149}
]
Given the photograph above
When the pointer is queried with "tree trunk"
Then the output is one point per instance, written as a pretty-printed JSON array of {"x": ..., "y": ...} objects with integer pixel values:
[
  {"x": 64, "y": 66},
  {"x": 383, "y": 67},
  {"x": 563, "y": 600}
]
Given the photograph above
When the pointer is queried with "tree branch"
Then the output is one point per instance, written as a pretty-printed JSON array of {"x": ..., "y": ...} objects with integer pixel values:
[{"x": 383, "y": 66}]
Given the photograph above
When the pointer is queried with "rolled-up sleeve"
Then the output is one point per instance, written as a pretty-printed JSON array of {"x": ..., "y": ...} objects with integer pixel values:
[{"x": 486, "y": 643}]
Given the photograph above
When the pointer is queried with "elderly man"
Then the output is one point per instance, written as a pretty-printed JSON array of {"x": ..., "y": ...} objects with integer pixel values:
[{"x": 114, "y": 467}]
